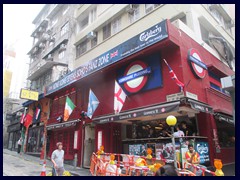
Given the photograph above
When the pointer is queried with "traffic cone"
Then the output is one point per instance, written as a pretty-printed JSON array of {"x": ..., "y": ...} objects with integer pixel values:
[{"x": 43, "y": 173}]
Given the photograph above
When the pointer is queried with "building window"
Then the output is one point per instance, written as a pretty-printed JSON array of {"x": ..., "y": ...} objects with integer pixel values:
[
  {"x": 66, "y": 10},
  {"x": 116, "y": 25},
  {"x": 215, "y": 83},
  {"x": 135, "y": 15},
  {"x": 64, "y": 29},
  {"x": 52, "y": 39},
  {"x": 81, "y": 48},
  {"x": 61, "y": 55},
  {"x": 150, "y": 7},
  {"x": 94, "y": 41},
  {"x": 54, "y": 21},
  {"x": 205, "y": 34},
  {"x": 92, "y": 15},
  {"x": 35, "y": 139},
  {"x": 106, "y": 31},
  {"x": 83, "y": 23}
]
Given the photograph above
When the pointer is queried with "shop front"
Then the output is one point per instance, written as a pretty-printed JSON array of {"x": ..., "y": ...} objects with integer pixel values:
[
  {"x": 14, "y": 131},
  {"x": 144, "y": 128},
  {"x": 152, "y": 89}
]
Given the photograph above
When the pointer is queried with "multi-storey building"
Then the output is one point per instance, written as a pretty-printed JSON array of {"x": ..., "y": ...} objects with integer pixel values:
[
  {"x": 51, "y": 57},
  {"x": 127, "y": 43}
]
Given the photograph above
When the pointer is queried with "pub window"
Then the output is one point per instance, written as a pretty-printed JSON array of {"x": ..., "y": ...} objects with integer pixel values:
[
  {"x": 226, "y": 134},
  {"x": 106, "y": 31},
  {"x": 61, "y": 105}
]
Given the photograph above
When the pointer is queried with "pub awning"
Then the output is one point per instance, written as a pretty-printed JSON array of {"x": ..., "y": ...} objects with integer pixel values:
[
  {"x": 199, "y": 106},
  {"x": 224, "y": 117},
  {"x": 141, "y": 112},
  {"x": 63, "y": 125}
]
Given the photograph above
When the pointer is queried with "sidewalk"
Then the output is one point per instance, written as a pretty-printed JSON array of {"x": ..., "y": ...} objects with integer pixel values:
[{"x": 74, "y": 171}]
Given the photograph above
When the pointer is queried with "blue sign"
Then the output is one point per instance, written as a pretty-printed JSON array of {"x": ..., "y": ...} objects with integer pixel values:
[
  {"x": 135, "y": 75},
  {"x": 152, "y": 75},
  {"x": 203, "y": 151},
  {"x": 137, "y": 43},
  {"x": 196, "y": 61}
]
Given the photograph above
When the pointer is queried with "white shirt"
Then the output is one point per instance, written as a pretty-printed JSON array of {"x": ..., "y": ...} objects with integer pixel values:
[{"x": 179, "y": 133}]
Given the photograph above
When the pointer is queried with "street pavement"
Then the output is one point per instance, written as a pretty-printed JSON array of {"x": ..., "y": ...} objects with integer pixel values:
[{"x": 27, "y": 165}]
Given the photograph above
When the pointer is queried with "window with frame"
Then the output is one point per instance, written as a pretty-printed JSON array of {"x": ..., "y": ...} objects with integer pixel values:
[
  {"x": 135, "y": 15},
  {"x": 150, "y": 7},
  {"x": 92, "y": 15},
  {"x": 215, "y": 83},
  {"x": 94, "y": 41},
  {"x": 116, "y": 25},
  {"x": 83, "y": 23},
  {"x": 64, "y": 29},
  {"x": 54, "y": 21},
  {"x": 65, "y": 10},
  {"x": 107, "y": 31},
  {"x": 81, "y": 48},
  {"x": 61, "y": 55},
  {"x": 54, "y": 37}
]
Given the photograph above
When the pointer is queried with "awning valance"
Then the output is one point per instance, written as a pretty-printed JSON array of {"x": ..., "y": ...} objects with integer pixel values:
[
  {"x": 224, "y": 117},
  {"x": 147, "y": 111},
  {"x": 199, "y": 106},
  {"x": 63, "y": 125}
]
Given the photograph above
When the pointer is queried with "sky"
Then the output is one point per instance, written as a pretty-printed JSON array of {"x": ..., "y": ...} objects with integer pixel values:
[{"x": 17, "y": 30}]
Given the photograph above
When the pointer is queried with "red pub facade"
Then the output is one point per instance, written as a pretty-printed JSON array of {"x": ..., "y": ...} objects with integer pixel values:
[{"x": 151, "y": 97}]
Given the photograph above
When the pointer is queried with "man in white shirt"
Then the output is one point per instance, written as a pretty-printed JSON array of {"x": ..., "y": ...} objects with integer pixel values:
[
  {"x": 179, "y": 133},
  {"x": 57, "y": 159}
]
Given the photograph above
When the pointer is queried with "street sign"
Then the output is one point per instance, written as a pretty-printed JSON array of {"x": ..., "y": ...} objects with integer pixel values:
[{"x": 28, "y": 94}]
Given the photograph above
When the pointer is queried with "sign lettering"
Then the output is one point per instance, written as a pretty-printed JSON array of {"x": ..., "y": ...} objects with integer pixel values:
[{"x": 129, "y": 47}]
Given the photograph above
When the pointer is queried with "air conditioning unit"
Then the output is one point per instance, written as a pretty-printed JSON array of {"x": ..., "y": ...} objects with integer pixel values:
[
  {"x": 49, "y": 58},
  {"x": 40, "y": 29},
  {"x": 38, "y": 66},
  {"x": 62, "y": 47},
  {"x": 91, "y": 35},
  {"x": 41, "y": 45},
  {"x": 35, "y": 49},
  {"x": 35, "y": 35},
  {"x": 51, "y": 39},
  {"x": 130, "y": 9}
]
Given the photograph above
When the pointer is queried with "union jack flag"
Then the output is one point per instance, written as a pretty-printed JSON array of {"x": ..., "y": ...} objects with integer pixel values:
[
  {"x": 112, "y": 55},
  {"x": 174, "y": 77}
]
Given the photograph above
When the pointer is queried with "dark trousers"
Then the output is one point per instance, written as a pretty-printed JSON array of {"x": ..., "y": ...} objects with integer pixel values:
[{"x": 19, "y": 148}]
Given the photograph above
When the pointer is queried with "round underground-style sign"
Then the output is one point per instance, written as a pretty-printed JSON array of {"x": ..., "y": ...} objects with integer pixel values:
[
  {"x": 138, "y": 83},
  {"x": 199, "y": 71}
]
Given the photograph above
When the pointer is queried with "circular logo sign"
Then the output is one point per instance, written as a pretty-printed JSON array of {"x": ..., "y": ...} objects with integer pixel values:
[
  {"x": 138, "y": 83},
  {"x": 196, "y": 63}
]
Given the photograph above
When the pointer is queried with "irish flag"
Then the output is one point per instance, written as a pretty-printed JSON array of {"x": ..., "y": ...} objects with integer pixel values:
[{"x": 69, "y": 107}]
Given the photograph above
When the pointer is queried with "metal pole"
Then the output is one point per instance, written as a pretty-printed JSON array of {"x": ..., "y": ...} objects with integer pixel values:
[{"x": 174, "y": 148}]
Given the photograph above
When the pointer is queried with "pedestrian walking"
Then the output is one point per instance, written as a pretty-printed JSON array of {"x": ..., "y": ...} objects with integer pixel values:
[
  {"x": 57, "y": 159},
  {"x": 19, "y": 145}
]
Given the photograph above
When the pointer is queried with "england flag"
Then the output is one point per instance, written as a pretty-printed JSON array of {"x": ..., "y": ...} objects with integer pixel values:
[
  {"x": 92, "y": 104},
  {"x": 119, "y": 98}
]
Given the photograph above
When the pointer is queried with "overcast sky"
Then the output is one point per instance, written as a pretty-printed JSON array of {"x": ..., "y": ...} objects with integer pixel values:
[{"x": 17, "y": 28}]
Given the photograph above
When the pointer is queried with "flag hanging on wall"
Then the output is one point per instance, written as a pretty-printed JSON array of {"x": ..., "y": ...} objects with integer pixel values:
[
  {"x": 23, "y": 117},
  {"x": 28, "y": 120},
  {"x": 92, "y": 104},
  {"x": 37, "y": 114},
  {"x": 174, "y": 77},
  {"x": 119, "y": 98},
  {"x": 69, "y": 107}
]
